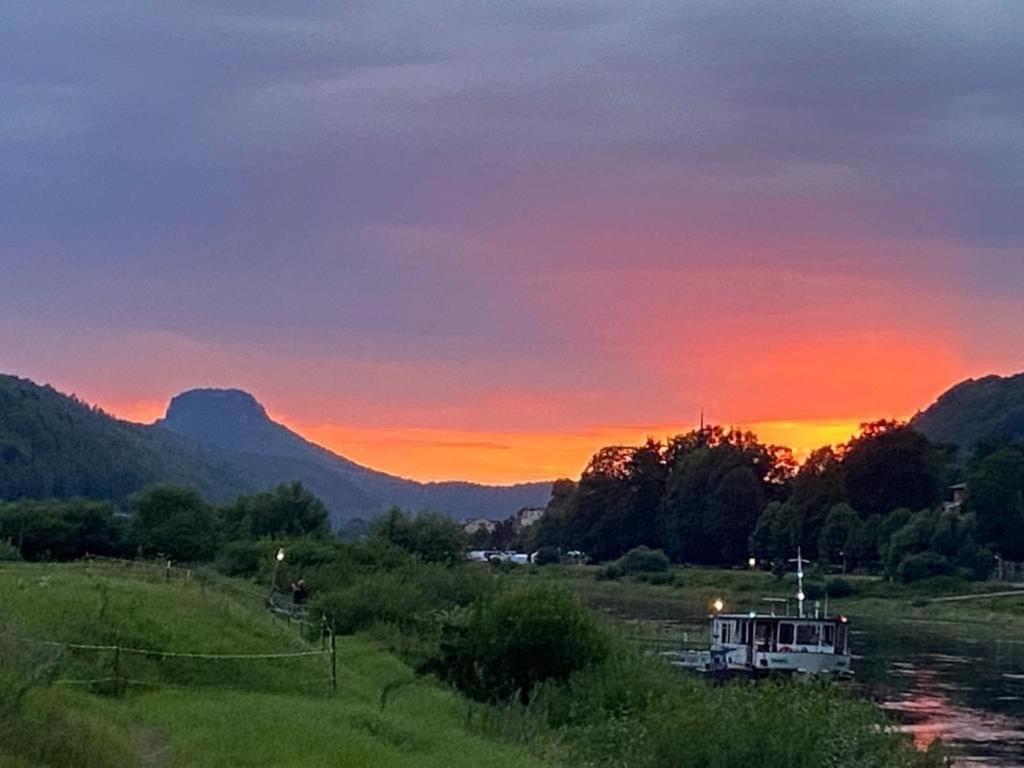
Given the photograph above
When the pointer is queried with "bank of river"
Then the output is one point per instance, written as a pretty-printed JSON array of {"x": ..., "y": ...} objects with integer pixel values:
[{"x": 952, "y": 672}]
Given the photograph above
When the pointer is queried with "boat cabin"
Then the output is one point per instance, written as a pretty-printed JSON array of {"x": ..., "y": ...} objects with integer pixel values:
[{"x": 767, "y": 643}]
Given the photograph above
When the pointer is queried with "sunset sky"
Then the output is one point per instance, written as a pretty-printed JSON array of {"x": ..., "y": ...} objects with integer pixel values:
[{"x": 480, "y": 240}]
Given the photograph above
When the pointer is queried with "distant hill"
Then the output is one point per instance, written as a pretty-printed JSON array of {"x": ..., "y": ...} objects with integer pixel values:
[
  {"x": 976, "y": 410},
  {"x": 232, "y": 421},
  {"x": 220, "y": 441},
  {"x": 55, "y": 446}
]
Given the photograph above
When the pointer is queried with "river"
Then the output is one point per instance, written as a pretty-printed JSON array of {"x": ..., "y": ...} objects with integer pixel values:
[{"x": 962, "y": 684}]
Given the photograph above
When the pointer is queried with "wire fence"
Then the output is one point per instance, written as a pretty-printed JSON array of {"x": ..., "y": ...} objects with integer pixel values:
[{"x": 114, "y": 668}]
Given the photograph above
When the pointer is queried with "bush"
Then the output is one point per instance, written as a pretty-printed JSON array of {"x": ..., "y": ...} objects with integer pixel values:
[
  {"x": 8, "y": 552},
  {"x": 505, "y": 646},
  {"x": 406, "y": 597},
  {"x": 839, "y": 588},
  {"x": 922, "y": 566},
  {"x": 547, "y": 556},
  {"x": 610, "y": 572},
  {"x": 644, "y": 560}
]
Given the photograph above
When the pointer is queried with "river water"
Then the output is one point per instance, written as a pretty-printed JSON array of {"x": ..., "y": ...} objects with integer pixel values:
[{"x": 962, "y": 684}]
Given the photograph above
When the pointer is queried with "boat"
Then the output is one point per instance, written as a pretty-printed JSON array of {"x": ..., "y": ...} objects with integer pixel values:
[{"x": 760, "y": 644}]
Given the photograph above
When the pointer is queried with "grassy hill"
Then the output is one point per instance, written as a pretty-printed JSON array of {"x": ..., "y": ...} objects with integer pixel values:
[{"x": 205, "y": 712}]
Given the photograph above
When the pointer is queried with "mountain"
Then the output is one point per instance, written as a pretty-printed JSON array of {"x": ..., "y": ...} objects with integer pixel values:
[
  {"x": 55, "y": 446},
  {"x": 974, "y": 410},
  {"x": 220, "y": 441},
  {"x": 233, "y": 422}
]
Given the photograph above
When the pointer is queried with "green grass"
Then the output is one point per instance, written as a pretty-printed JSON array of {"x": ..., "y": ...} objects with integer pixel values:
[{"x": 226, "y": 713}]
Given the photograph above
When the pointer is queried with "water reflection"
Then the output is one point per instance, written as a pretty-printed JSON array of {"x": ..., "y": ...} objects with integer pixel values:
[{"x": 943, "y": 682}]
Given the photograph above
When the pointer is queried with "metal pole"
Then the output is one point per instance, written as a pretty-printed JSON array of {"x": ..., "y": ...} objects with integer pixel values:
[
  {"x": 117, "y": 670},
  {"x": 334, "y": 662}
]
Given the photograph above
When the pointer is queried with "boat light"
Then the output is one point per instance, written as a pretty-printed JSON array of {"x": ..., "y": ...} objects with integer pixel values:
[
  {"x": 800, "y": 596},
  {"x": 752, "y": 562},
  {"x": 718, "y": 605},
  {"x": 843, "y": 620}
]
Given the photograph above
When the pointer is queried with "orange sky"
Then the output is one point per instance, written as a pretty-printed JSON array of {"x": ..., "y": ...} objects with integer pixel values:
[
  {"x": 509, "y": 457},
  {"x": 492, "y": 242}
]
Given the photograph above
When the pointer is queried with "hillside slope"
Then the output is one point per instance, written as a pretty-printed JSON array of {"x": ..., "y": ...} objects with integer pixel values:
[
  {"x": 221, "y": 442},
  {"x": 974, "y": 410},
  {"x": 210, "y": 713},
  {"x": 55, "y": 446},
  {"x": 234, "y": 422}
]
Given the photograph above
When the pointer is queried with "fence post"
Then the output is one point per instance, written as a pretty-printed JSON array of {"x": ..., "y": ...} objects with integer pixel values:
[
  {"x": 334, "y": 661},
  {"x": 117, "y": 669}
]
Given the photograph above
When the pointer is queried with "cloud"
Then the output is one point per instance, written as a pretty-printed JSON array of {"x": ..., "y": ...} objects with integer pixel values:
[{"x": 563, "y": 212}]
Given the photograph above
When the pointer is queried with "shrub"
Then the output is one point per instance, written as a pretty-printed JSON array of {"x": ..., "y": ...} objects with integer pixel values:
[
  {"x": 839, "y": 588},
  {"x": 610, "y": 572},
  {"x": 644, "y": 560},
  {"x": 922, "y": 566},
  {"x": 507, "y": 645},
  {"x": 8, "y": 552},
  {"x": 547, "y": 556},
  {"x": 405, "y": 597}
]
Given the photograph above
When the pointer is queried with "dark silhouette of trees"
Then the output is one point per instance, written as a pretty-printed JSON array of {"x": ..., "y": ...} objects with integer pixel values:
[
  {"x": 889, "y": 466},
  {"x": 995, "y": 479}
]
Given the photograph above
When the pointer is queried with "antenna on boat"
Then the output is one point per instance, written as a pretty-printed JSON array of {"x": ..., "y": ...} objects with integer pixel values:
[{"x": 800, "y": 579}]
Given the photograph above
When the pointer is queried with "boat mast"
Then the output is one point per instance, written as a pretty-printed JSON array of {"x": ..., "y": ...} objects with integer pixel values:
[{"x": 800, "y": 579}]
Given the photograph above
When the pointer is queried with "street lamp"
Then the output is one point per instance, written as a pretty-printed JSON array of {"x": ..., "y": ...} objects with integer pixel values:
[
  {"x": 278, "y": 559},
  {"x": 752, "y": 562}
]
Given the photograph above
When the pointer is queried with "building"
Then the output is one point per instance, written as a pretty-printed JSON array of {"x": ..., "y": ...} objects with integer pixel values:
[
  {"x": 527, "y": 516},
  {"x": 959, "y": 494}
]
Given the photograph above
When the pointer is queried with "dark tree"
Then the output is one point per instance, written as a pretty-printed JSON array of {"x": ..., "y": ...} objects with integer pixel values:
[
  {"x": 174, "y": 522},
  {"x": 288, "y": 510},
  {"x": 995, "y": 480},
  {"x": 817, "y": 487},
  {"x": 890, "y": 465},
  {"x": 718, "y": 485}
]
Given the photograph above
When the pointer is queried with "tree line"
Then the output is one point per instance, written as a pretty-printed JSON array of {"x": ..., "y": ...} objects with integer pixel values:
[
  {"x": 166, "y": 521},
  {"x": 717, "y": 497}
]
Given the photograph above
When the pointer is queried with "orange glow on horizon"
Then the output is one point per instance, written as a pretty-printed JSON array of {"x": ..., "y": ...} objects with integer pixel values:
[
  {"x": 504, "y": 458},
  {"x": 508, "y": 457}
]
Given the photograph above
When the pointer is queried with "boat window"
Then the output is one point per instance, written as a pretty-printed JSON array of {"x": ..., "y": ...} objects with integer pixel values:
[
  {"x": 727, "y": 628},
  {"x": 829, "y": 635},
  {"x": 841, "y": 643},
  {"x": 807, "y": 634},
  {"x": 785, "y": 634},
  {"x": 762, "y": 635}
]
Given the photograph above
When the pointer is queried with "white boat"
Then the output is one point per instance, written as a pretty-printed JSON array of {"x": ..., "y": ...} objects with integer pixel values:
[{"x": 757, "y": 644}]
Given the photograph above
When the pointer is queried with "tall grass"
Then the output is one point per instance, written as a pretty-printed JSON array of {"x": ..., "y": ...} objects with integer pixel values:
[{"x": 382, "y": 715}]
